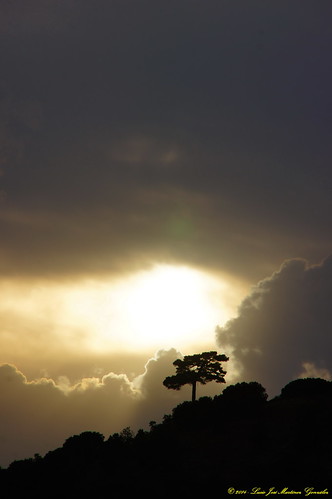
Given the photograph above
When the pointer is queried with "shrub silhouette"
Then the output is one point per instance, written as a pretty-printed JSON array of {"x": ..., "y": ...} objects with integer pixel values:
[
  {"x": 306, "y": 388},
  {"x": 88, "y": 441},
  {"x": 245, "y": 394}
]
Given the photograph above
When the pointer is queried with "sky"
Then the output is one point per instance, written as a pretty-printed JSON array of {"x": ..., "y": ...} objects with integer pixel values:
[{"x": 165, "y": 188}]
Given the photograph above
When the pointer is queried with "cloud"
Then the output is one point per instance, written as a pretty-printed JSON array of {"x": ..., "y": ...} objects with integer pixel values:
[
  {"x": 158, "y": 401},
  {"x": 283, "y": 328},
  {"x": 39, "y": 415},
  {"x": 135, "y": 144},
  {"x": 33, "y": 16}
]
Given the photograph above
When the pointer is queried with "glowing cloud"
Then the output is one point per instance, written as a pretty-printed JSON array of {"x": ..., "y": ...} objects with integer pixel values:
[{"x": 164, "y": 307}]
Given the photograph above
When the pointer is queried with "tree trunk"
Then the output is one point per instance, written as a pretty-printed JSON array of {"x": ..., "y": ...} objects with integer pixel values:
[{"x": 193, "y": 393}]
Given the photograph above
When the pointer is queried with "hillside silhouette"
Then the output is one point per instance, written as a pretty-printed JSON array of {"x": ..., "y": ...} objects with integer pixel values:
[{"x": 238, "y": 439}]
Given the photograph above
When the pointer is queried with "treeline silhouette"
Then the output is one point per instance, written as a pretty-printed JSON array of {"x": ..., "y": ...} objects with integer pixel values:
[{"x": 237, "y": 439}]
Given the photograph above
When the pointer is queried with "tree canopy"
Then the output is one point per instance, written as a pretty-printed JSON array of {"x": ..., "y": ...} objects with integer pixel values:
[{"x": 197, "y": 368}]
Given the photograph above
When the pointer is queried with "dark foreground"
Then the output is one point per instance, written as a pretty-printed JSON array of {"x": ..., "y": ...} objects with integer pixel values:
[{"x": 237, "y": 444}]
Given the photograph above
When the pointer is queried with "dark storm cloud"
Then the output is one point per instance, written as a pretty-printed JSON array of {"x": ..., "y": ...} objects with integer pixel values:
[
  {"x": 283, "y": 328},
  {"x": 152, "y": 130}
]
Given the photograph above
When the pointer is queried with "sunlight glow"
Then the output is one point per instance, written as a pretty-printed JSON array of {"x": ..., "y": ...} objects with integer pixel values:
[{"x": 165, "y": 307}]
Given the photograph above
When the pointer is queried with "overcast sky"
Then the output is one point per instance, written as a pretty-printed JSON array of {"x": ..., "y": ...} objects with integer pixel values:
[
  {"x": 197, "y": 132},
  {"x": 135, "y": 133}
]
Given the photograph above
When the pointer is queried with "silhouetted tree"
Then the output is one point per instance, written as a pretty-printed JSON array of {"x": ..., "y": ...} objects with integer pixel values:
[
  {"x": 197, "y": 368},
  {"x": 127, "y": 434}
]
